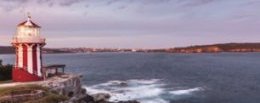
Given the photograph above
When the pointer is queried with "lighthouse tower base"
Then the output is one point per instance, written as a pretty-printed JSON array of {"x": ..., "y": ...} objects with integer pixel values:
[{"x": 20, "y": 75}]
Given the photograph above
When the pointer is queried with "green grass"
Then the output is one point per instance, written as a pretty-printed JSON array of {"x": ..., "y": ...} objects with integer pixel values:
[
  {"x": 6, "y": 81},
  {"x": 9, "y": 90},
  {"x": 49, "y": 97}
]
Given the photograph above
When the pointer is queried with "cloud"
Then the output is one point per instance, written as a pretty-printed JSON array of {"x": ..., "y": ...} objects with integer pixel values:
[
  {"x": 134, "y": 18},
  {"x": 12, "y": 4},
  {"x": 109, "y": 2},
  {"x": 9, "y": 5},
  {"x": 192, "y": 3},
  {"x": 69, "y": 2}
]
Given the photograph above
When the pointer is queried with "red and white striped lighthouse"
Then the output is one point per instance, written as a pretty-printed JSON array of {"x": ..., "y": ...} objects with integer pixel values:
[{"x": 28, "y": 44}]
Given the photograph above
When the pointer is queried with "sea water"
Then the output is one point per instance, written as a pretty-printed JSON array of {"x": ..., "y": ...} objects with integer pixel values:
[{"x": 165, "y": 77}]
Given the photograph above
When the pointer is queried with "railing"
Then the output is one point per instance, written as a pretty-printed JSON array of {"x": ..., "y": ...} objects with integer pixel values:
[{"x": 28, "y": 40}]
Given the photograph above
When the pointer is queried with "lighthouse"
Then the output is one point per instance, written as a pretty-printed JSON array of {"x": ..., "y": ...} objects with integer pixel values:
[{"x": 28, "y": 45}]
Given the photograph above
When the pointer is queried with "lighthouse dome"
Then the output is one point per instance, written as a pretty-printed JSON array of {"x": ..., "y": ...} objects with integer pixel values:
[
  {"x": 29, "y": 32},
  {"x": 29, "y": 23}
]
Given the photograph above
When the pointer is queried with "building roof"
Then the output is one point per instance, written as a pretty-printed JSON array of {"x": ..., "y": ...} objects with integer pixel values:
[{"x": 29, "y": 23}]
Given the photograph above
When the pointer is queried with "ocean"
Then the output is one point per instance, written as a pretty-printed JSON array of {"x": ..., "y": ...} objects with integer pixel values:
[{"x": 165, "y": 77}]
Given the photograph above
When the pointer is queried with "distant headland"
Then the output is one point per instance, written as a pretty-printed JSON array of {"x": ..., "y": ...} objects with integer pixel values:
[{"x": 214, "y": 48}]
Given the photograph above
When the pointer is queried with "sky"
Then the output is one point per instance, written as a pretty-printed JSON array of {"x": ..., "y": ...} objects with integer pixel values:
[{"x": 134, "y": 23}]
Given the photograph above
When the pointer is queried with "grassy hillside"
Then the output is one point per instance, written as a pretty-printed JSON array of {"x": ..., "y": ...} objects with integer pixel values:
[{"x": 229, "y": 47}]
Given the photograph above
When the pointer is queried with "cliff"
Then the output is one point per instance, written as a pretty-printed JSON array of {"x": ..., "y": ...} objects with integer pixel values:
[
  {"x": 230, "y": 47},
  {"x": 64, "y": 88}
]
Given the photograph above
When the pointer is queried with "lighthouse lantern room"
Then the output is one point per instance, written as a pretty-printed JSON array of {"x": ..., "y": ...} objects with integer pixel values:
[{"x": 28, "y": 45}]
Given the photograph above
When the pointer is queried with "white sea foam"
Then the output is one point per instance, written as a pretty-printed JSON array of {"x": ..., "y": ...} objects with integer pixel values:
[
  {"x": 145, "y": 91},
  {"x": 143, "y": 81},
  {"x": 138, "y": 92},
  {"x": 155, "y": 100},
  {"x": 94, "y": 91},
  {"x": 186, "y": 91}
]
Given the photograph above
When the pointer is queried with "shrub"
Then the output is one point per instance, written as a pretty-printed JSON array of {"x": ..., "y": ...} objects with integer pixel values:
[
  {"x": 5, "y": 71},
  {"x": 50, "y": 98}
]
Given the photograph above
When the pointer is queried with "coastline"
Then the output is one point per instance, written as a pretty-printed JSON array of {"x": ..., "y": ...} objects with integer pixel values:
[
  {"x": 214, "y": 48},
  {"x": 67, "y": 85}
]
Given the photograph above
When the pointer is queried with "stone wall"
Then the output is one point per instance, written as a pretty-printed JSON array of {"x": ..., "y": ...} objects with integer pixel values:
[{"x": 67, "y": 85}]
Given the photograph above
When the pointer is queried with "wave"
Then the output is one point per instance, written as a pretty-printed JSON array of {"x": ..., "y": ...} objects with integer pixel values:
[
  {"x": 145, "y": 91},
  {"x": 186, "y": 91}
]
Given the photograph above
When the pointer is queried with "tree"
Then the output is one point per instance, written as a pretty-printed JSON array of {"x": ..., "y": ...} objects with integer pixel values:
[
  {"x": 1, "y": 61},
  {"x": 5, "y": 71}
]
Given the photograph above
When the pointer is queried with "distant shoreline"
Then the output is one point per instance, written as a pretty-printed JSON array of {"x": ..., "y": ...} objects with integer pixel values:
[{"x": 214, "y": 48}]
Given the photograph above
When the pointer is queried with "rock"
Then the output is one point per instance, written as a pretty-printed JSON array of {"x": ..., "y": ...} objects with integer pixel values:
[
  {"x": 101, "y": 97},
  {"x": 83, "y": 97},
  {"x": 123, "y": 84},
  {"x": 87, "y": 99},
  {"x": 83, "y": 91},
  {"x": 73, "y": 100},
  {"x": 96, "y": 98}
]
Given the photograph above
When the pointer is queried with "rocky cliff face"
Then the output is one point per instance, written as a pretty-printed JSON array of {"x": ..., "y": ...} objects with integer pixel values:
[
  {"x": 66, "y": 85},
  {"x": 70, "y": 86}
]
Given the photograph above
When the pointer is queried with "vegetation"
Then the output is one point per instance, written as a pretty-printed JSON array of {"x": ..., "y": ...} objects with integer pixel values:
[
  {"x": 8, "y": 90},
  {"x": 49, "y": 96},
  {"x": 5, "y": 71},
  {"x": 229, "y": 47}
]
